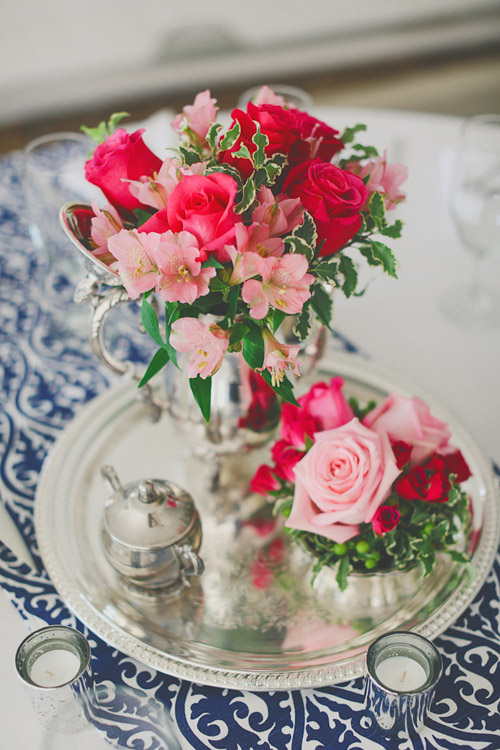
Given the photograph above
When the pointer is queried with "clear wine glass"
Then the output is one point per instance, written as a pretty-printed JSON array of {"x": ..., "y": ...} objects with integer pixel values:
[{"x": 475, "y": 209}]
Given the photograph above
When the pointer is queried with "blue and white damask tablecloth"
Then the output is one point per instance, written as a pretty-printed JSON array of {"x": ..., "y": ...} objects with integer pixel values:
[{"x": 49, "y": 374}]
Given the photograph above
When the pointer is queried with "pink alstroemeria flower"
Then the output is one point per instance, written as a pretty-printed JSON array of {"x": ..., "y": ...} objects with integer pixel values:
[
  {"x": 197, "y": 118},
  {"x": 245, "y": 265},
  {"x": 279, "y": 357},
  {"x": 285, "y": 286},
  {"x": 206, "y": 343},
  {"x": 136, "y": 256},
  {"x": 155, "y": 191},
  {"x": 104, "y": 224},
  {"x": 182, "y": 278},
  {"x": 280, "y": 213},
  {"x": 383, "y": 178}
]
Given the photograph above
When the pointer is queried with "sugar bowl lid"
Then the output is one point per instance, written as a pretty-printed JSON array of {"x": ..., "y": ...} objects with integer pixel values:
[{"x": 150, "y": 513}]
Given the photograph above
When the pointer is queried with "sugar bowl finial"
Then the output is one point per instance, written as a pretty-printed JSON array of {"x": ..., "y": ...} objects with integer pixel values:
[{"x": 151, "y": 535}]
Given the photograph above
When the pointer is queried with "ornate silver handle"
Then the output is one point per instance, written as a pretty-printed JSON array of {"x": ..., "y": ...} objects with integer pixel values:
[{"x": 102, "y": 300}]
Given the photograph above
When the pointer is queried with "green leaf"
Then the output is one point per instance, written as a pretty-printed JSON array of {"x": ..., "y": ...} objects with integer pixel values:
[
  {"x": 230, "y": 137},
  {"x": 349, "y": 133},
  {"x": 306, "y": 230},
  {"x": 271, "y": 169},
  {"x": 142, "y": 216},
  {"x": 457, "y": 556},
  {"x": 378, "y": 254},
  {"x": 278, "y": 318},
  {"x": 327, "y": 269},
  {"x": 159, "y": 361},
  {"x": 243, "y": 153},
  {"x": 201, "y": 389},
  {"x": 212, "y": 262},
  {"x": 189, "y": 155},
  {"x": 253, "y": 348},
  {"x": 298, "y": 245},
  {"x": 212, "y": 135},
  {"x": 150, "y": 322},
  {"x": 247, "y": 198},
  {"x": 322, "y": 304},
  {"x": 343, "y": 570},
  {"x": 377, "y": 209},
  {"x": 284, "y": 389},
  {"x": 348, "y": 269},
  {"x": 232, "y": 302},
  {"x": 261, "y": 141},
  {"x": 302, "y": 327},
  {"x": 237, "y": 332},
  {"x": 104, "y": 129},
  {"x": 115, "y": 119},
  {"x": 393, "y": 230},
  {"x": 226, "y": 169}
]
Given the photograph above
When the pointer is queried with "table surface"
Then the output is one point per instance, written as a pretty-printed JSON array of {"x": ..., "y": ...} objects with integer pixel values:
[{"x": 399, "y": 325}]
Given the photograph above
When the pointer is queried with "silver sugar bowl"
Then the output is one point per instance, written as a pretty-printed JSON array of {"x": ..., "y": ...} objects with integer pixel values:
[{"x": 151, "y": 534}]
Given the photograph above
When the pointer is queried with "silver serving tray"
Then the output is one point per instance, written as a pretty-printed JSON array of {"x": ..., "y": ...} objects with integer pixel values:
[{"x": 252, "y": 621}]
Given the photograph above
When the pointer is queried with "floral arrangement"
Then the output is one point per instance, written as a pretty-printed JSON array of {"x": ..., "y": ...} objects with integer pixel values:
[
  {"x": 373, "y": 489},
  {"x": 249, "y": 223}
]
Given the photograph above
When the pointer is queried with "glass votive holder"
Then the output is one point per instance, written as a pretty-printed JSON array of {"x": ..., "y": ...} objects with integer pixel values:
[
  {"x": 54, "y": 666},
  {"x": 292, "y": 95},
  {"x": 403, "y": 670},
  {"x": 54, "y": 174}
]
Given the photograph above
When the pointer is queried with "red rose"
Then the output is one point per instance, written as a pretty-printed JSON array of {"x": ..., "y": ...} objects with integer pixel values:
[
  {"x": 333, "y": 197},
  {"x": 279, "y": 125},
  {"x": 121, "y": 157},
  {"x": 385, "y": 519},
  {"x": 263, "y": 481},
  {"x": 455, "y": 463},
  {"x": 285, "y": 457},
  {"x": 427, "y": 481},
  {"x": 321, "y": 139},
  {"x": 261, "y": 398},
  {"x": 402, "y": 453},
  {"x": 204, "y": 206}
]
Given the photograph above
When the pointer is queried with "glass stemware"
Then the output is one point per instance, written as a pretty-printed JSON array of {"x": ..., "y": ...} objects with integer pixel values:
[{"x": 475, "y": 210}]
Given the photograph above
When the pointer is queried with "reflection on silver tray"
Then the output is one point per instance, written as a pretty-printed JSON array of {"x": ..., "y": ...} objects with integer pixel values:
[{"x": 252, "y": 620}]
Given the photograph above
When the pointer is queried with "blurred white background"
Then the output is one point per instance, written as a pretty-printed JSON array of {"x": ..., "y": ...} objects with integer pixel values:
[{"x": 61, "y": 59}]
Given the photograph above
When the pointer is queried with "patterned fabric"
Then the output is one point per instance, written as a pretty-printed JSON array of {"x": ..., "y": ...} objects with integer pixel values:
[{"x": 48, "y": 374}]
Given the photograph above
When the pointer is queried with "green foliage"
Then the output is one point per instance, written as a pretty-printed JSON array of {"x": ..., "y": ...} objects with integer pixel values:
[
  {"x": 425, "y": 531},
  {"x": 102, "y": 131},
  {"x": 201, "y": 389},
  {"x": 322, "y": 304}
]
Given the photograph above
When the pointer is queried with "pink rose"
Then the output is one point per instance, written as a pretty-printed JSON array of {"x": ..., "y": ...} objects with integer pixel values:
[
  {"x": 341, "y": 481},
  {"x": 333, "y": 196},
  {"x": 119, "y": 158},
  {"x": 409, "y": 420},
  {"x": 323, "y": 407},
  {"x": 204, "y": 206}
]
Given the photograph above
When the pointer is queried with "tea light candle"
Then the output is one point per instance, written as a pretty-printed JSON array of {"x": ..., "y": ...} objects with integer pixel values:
[
  {"x": 403, "y": 669},
  {"x": 54, "y": 665},
  {"x": 401, "y": 673}
]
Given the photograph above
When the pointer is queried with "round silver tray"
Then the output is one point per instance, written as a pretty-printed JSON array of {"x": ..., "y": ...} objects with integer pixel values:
[{"x": 252, "y": 621}]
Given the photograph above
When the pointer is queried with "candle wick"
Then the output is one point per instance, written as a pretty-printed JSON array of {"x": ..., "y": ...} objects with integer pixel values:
[{"x": 403, "y": 676}]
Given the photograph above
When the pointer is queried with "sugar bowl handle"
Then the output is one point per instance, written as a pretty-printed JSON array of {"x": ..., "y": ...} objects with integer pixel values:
[{"x": 191, "y": 564}]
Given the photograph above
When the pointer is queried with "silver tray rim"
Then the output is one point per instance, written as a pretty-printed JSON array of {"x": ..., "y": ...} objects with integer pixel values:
[{"x": 261, "y": 679}]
